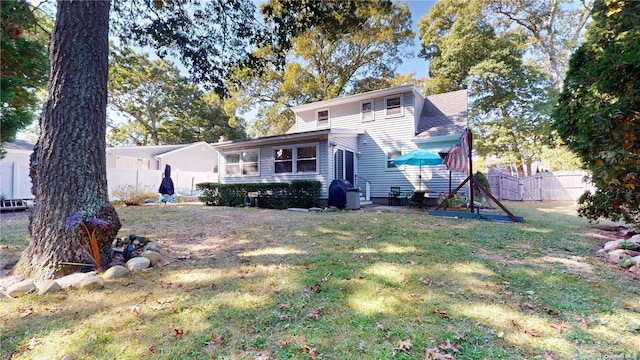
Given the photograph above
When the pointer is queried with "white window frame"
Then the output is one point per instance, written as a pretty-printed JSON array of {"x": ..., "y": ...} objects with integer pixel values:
[
  {"x": 400, "y": 107},
  {"x": 328, "y": 120},
  {"x": 372, "y": 112},
  {"x": 240, "y": 163},
  {"x": 294, "y": 159},
  {"x": 387, "y": 161}
]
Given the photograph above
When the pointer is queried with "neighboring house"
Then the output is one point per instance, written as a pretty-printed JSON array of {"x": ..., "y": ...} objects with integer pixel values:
[
  {"x": 355, "y": 138},
  {"x": 199, "y": 156},
  {"x": 134, "y": 165},
  {"x": 14, "y": 171}
]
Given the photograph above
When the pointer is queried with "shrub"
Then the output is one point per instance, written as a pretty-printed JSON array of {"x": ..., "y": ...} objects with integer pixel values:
[
  {"x": 298, "y": 193},
  {"x": 132, "y": 195}
]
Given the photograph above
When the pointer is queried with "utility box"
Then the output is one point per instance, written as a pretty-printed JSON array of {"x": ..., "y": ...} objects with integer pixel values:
[{"x": 353, "y": 199}]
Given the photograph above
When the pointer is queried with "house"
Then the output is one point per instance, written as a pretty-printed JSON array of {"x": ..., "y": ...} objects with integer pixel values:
[
  {"x": 198, "y": 156},
  {"x": 355, "y": 138},
  {"x": 139, "y": 166}
]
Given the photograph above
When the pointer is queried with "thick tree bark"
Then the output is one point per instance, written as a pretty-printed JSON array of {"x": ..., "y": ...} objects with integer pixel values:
[{"x": 68, "y": 165}]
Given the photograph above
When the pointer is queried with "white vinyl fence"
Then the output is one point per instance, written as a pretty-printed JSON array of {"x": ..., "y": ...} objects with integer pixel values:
[
  {"x": 559, "y": 185},
  {"x": 15, "y": 182}
]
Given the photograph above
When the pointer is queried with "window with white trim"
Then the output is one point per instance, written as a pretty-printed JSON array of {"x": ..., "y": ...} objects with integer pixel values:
[
  {"x": 393, "y": 105},
  {"x": 366, "y": 111},
  {"x": 390, "y": 156},
  {"x": 296, "y": 159},
  {"x": 242, "y": 163},
  {"x": 322, "y": 118}
]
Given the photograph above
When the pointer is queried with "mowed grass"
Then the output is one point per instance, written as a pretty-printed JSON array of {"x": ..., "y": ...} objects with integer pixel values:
[{"x": 268, "y": 284}]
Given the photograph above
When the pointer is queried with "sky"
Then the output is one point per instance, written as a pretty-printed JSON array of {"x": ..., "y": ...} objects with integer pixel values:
[{"x": 418, "y": 9}]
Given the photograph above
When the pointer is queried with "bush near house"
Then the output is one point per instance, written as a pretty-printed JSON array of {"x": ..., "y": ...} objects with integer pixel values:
[
  {"x": 132, "y": 195},
  {"x": 297, "y": 193}
]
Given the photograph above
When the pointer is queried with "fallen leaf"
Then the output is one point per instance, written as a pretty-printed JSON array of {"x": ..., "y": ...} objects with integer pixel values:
[
  {"x": 314, "y": 314},
  {"x": 151, "y": 349},
  {"x": 136, "y": 310},
  {"x": 32, "y": 343},
  {"x": 26, "y": 312},
  {"x": 261, "y": 356},
  {"x": 417, "y": 319},
  {"x": 514, "y": 323},
  {"x": 550, "y": 311},
  {"x": 435, "y": 354},
  {"x": 216, "y": 338},
  {"x": 548, "y": 356},
  {"x": 284, "y": 317},
  {"x": 532, "y": 332},
  {"x": 531, "y": 306},
  {"x": 427, "y": 282},
  {"x": 584, "y": 322},
  {"x": 179, "y": 333},
  {"x": 443, "y": 314},
  {"x": 311, "y": 351},
  {"x": 285, "y": 306},
  {"x": 379, "y": 326},
  {"x": 316, "y": 288},
  {"x": 562, "y": 327},
  {"x": 403, "y": 345},
  {"x": 448, "y": 346}
]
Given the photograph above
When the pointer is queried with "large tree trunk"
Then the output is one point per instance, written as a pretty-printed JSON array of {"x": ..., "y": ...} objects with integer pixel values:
[{"x": 68, "y": 165}]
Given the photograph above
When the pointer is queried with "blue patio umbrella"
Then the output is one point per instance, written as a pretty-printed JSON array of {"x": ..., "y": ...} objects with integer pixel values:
[{"x": 418, "y": 157}]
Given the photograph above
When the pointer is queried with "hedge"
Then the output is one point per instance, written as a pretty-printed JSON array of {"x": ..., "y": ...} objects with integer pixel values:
[{"x": 297, "y": 193}]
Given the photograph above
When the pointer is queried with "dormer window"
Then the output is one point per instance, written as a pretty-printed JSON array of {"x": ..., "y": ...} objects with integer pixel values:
[
  {"x": 393, "y": 105},
  {"x": 322, "y": 118},
  {"x": 366, "y": 111}
]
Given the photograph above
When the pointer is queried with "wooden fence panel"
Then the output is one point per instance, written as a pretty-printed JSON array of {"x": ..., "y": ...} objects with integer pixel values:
[{"x": 561, "y": 185}]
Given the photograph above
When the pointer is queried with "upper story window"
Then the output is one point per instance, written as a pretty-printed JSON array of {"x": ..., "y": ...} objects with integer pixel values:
[
  {"x": 393, "y": 105},
  {"x": 296, "y": 159},
  {"x": 242, "y": 163},
  {"x": 322, "y": 118},
  {"x": 366, "y": 111}
]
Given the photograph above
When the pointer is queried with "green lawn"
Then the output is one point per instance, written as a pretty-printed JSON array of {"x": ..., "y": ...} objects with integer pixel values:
[{"x": 269, "y": 284}]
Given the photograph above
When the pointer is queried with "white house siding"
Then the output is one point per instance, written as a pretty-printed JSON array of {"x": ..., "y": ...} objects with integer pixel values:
[
  {"x": 199, "y": 157},
  {"x": 267, "y": 174},
  {"x": 385, "y": 134}
]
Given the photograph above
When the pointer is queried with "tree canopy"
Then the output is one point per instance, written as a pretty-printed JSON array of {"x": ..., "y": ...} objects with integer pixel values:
[
  {"x": 511, "y": 55},
  {"x": 157, "y": 106},
  {"x": 598, "y": 110},
  {"x": 325, "y": 61},
  {"x": 24, "y": 66}
]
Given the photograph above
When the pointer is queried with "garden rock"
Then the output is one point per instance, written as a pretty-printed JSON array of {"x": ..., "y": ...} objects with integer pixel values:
[
  {"x": 73, "y": 279},
  {"x": 636, "y": 260},
  {"x": 117, "y": 271},
  {"x": 154, "y": 246},
  {"x": 635, "y": 239},
  {"x": 48, "y": 286},
  {"x": 21, "y": 288},
  {"x": 635, "y": 269},
  {"x": 138, "y": 263},
  {"x": 154, "y": 257},
  {"x": 91, "y": 282},
  {"x": 615, "y": 255},
  {"x": 613, "y": 245}
]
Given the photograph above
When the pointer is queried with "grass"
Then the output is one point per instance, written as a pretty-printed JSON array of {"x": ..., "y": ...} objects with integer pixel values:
[{"x": 269, "y": 284}]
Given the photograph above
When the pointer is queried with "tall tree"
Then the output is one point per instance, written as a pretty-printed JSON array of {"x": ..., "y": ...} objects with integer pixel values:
[
  {"x": 24, "y": 66},
  {"x": 156, "y": 105},
  {"x": 598, "y": 113},
  {"x": 68, "y": 170},
  {"x": 325, "y": 61},
  {"x": 555, "y": 28},
  {"x": 510, "y": 95}
]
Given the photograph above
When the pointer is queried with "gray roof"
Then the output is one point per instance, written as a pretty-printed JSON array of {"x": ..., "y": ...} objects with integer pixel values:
[{"x": 443, "y": 114}]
